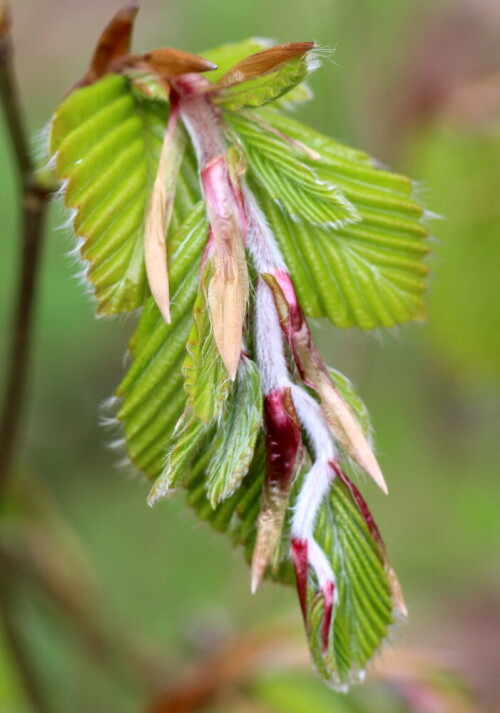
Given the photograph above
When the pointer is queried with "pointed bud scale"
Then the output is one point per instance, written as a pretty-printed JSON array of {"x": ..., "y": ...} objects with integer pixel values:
[
  {"x": 113, "y": 43},
  {"x": 168, "y": 62},
  {"x": 301, "y": 565},
  {"x": 328, "y": 592},
  {"x": 282, "y": 446}
]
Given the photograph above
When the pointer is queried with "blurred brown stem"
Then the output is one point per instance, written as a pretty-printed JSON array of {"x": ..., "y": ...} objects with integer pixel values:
[
  {"x": 27, "y": 674},
  {"x": 33, "y": 201}
]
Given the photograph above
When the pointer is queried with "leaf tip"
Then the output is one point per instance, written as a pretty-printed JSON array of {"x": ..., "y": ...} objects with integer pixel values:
[
  {"x": 159, "y": 490},
  {"x": 256, "y": 578},
  {"x": 369, "y": 463}
]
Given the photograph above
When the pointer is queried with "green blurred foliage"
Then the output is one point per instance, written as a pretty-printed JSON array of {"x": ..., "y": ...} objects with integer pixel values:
[{"x": 432, "y": 390}]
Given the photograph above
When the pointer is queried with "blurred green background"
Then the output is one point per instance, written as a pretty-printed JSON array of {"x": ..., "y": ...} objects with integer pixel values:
[{"x": 416, "y": 84}]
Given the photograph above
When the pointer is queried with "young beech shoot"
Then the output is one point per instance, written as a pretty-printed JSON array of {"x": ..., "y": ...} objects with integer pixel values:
[{"x": 226, "y": 224}]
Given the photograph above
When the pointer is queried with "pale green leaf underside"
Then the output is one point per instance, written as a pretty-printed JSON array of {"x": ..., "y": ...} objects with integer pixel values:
[
  {"x": 107, "y": 142},
  {"x": 287, "y": 179},
  {"x": 367, "y": 274}
]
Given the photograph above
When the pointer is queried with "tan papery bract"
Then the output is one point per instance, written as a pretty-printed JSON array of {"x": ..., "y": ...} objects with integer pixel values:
[
  {"x": 228, "y": 292},
  {"x": 396, "y": 591},
  {"x": 262, "y": 63},
  {"x": 168, "y": 62},
  {"x": 159, "y": 214},
  {"x": 339, "y": 415},
  {"x": 269, "y": 527},
  {"x": 346, "y": 428}
]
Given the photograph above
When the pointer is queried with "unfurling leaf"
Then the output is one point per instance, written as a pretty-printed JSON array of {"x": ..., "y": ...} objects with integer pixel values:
[
  {"x": 231, "y": 400},
  {"x": 369, "y": 273},
  {"x": 362, "y": 602}
]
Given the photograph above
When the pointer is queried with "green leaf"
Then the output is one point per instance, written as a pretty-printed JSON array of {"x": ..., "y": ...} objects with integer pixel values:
[
  {"x": 206, "y": 380},
  {"x": 106, "y": 143},
  {"x": 234, "y": 442},
  {"x": 285, "y": 178},
  {"x": 152, "y": 393},
  {"x": 368, "y": 274}
]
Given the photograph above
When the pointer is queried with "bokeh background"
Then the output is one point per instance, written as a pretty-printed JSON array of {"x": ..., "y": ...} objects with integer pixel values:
[{"x": 417, "y": 84}]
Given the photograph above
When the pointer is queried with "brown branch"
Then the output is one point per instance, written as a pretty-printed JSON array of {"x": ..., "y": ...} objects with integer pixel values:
[{"x": 33, "y": 201}]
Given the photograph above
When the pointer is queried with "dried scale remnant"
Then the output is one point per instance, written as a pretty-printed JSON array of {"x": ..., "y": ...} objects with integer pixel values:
[{"x": 228, "y": 224}]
